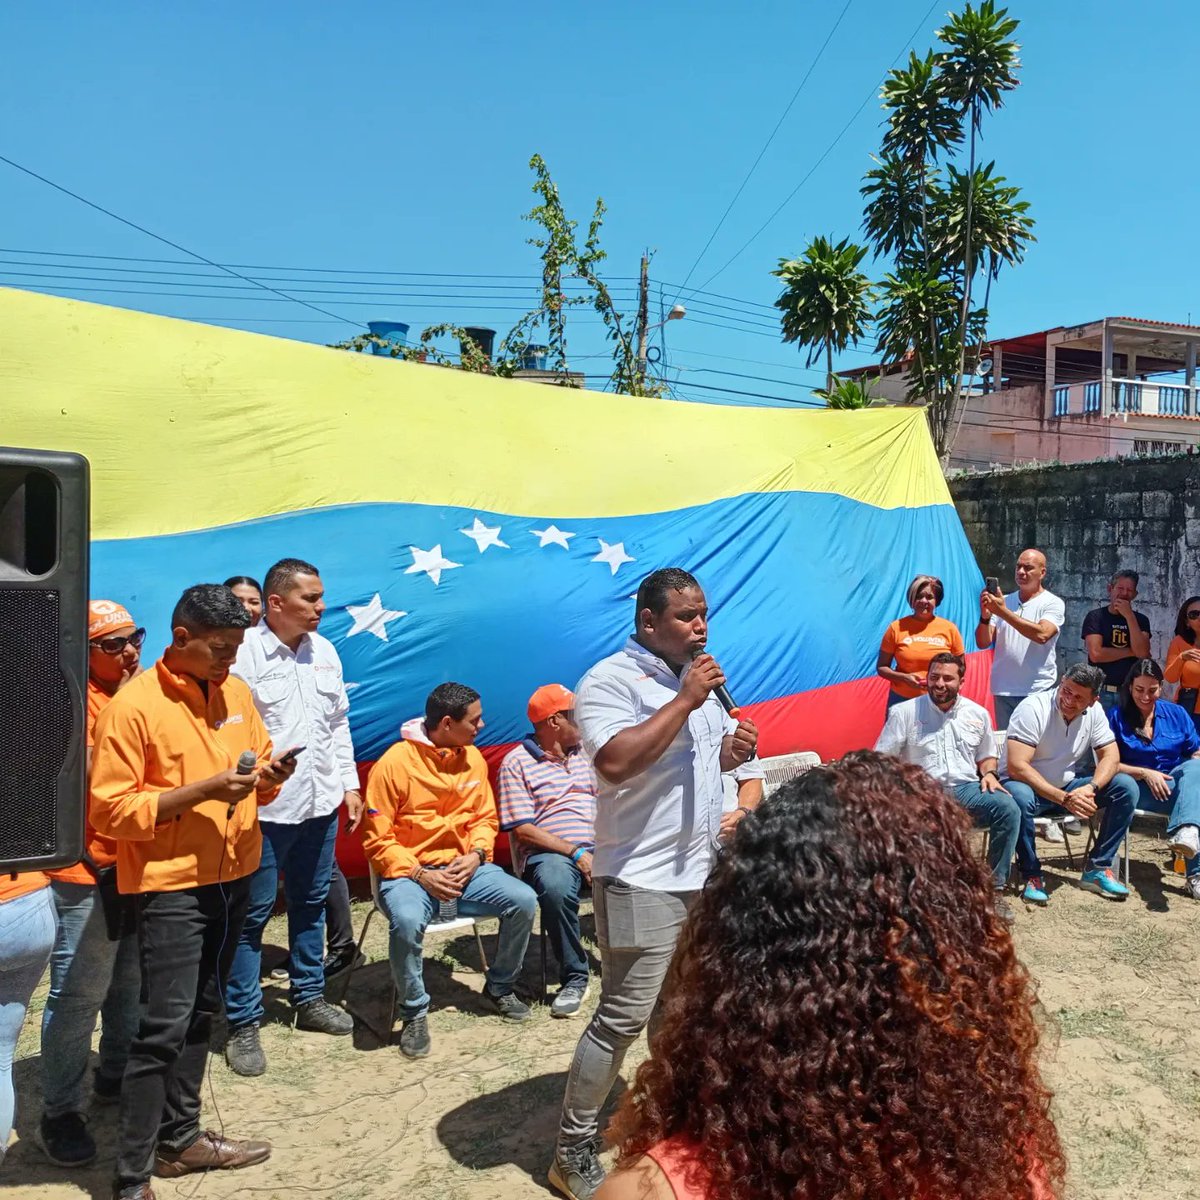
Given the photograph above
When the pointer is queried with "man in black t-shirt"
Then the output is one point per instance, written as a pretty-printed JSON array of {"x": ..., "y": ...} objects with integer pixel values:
[{"x": 1115, "y": 635}]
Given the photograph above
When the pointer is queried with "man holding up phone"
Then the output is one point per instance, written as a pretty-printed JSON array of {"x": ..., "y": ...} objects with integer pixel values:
[
  {"x": 296, "y": 678},
  {"x": 166, "y": 786}
]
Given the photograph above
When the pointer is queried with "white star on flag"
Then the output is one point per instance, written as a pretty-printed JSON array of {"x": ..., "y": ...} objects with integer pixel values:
[
  {"x": 483, "y": 536},
  {"x": 372, "y": 618},
  {"x": 613, "y": 555},
  {"x": 432, "y": 562},
  {"x": 553, "y": 536}
]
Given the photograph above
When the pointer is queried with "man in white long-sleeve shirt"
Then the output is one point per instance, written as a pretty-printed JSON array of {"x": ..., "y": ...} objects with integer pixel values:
[{"x": 296, "y": 677}]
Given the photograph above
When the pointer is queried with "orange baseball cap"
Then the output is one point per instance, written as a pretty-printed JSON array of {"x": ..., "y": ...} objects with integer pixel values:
[
  {"x": 550, "y": 699},
  {"x": 106, "y": 615}
]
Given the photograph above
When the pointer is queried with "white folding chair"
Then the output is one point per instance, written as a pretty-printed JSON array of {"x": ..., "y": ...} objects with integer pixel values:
[
  {"x": 434, "y": 926},
  {"x": 782, "y": 768}
]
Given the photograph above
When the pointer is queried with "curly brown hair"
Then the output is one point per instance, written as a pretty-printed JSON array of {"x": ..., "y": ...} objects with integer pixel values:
[{"x": 845, "y": 1016}]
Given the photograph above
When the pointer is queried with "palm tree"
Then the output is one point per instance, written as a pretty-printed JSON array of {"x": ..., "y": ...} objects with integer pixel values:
[
  {"x": 825, "y": 302},
  {"x": 978, "y": 66}
]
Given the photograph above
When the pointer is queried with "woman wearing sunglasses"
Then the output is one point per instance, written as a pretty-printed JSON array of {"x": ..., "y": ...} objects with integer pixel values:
[
  {"x": 1183, "y": 658},
  {"x": 94, "y": 965}
]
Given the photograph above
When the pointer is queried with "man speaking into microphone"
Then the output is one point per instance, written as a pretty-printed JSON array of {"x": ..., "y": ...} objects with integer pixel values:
[{"x": 659, "y": 738}]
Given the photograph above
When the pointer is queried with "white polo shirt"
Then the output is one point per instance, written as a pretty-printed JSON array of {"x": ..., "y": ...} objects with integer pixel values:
[
  {"x": 946, "y": 745},
  {"x": 1020, "y": 665},
  {"x": 1038, "y": 722},
  {"x": 302, "y": 700},
  {"x": 656, "y": 830}
]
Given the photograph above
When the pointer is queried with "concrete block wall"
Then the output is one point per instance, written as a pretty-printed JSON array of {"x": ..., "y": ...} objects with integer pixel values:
[{"x": 1092, "y": 519}]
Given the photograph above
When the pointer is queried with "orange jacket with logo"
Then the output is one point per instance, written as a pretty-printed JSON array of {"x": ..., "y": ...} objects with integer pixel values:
[
  {"x": 159, "y": 733},
  {"x": 101, "y": 850},
  {"x": 426, "y": 806}
]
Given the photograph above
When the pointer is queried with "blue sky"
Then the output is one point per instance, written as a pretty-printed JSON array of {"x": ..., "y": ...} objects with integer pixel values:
[{"x": 396, "y": 139}]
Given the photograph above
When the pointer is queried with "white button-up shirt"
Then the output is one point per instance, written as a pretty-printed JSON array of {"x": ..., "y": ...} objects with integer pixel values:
[
  {"x": 303, "y": 702},
  {"x": 946, "y": 745},
  {"x": 656, "y": 830}
]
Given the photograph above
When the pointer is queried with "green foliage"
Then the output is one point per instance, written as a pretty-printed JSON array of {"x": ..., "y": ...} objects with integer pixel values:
[
  {"x": 825, "y": 303},
  {"x": 935, "y": 222},
  {"x": 847, "y": 394},
  {"x": 562, "y": 260}
]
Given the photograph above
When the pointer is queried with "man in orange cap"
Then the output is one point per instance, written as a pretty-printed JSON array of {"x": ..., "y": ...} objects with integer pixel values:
[
  {"x": 548, "y": 803},
  {"x": 94, "y": 966}
]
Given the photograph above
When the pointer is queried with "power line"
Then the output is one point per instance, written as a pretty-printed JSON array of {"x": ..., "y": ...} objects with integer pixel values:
[
  {"x": 766, "y": 145},
  {"x": 58, "y": 187},
  {"x": 828, "y": 150}
]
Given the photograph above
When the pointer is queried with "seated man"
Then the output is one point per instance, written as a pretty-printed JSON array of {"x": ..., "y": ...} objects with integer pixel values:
[
  {"x": 1047, "y": 733},
  {"x": 548, "y": 803},
  {"x": 429, "y": 832},
  {"x": 951, "y": 738}
]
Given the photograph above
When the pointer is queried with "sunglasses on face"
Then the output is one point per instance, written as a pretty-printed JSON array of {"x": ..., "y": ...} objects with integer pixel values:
[{"x": 114, "y": 645}]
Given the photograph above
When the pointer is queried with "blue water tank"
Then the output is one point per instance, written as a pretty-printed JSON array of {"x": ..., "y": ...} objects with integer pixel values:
[
  {"x": 534, "y": 357},
  {"x": 395, "y": 332}
]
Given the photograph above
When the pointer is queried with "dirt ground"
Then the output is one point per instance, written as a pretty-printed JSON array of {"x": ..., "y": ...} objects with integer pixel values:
[{"x": 352, "y": 1120}]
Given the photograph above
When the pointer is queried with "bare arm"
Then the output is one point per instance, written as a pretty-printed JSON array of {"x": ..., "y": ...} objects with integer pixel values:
[
  {"x": 1021, "y": 768},
  {"x": 542, "y": 839},
  {"x": 1108, "y": 763},
  {"x": 1098, "y": 653},
  {"x": 884, "y": 669},
  {"x": 634, "y": 749}
]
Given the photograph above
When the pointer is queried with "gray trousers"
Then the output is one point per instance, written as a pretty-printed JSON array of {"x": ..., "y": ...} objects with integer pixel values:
[{"x": 637, "y": 930}]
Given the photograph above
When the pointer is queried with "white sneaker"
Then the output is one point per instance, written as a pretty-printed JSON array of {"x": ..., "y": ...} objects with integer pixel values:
[
  {"x": 1052, "y": 833},
  {"x": 1185, "y": 841},
  {"x": 1191, "y": 885}
]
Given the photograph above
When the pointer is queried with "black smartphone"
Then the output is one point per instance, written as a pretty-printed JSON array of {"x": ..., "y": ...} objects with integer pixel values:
[
  {"x": 993, "y": 585},
  {"x": 291, "y": 755}
]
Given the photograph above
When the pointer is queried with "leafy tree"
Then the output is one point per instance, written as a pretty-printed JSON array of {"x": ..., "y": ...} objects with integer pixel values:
[
  {"x": 847, "y": 394},
  {"x": 825, "y": 303}
]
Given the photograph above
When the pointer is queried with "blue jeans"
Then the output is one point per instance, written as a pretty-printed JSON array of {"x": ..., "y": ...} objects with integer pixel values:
[
  {"x": 1005, "y": 707},
  {"x": 26, "y": 939},
  {"x": 89, "y": 975},
  {"x": 557, "y": 882},
  {"x": 1117, "y": 799},
  {"x": 489, "y": 893},
  {"x": 1182, "y": 805},
  {"x": 1002, "y": 816},
  {"x": 304, "y": 853}
]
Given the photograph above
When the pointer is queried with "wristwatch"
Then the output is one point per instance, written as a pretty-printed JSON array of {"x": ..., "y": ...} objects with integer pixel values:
[{"x": 482, "y": 854}]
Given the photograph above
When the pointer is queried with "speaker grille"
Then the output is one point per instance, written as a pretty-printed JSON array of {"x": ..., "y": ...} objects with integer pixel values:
[{"x": 35, "y": 722}]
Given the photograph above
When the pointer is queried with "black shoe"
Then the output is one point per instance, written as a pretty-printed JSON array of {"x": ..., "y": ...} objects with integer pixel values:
[
  {"x": 576, "y": 1170},
  {"x": 509, "y": 1006},
  {"x": 65, "y": 1140},
  {"x": 342, "y": 961},
  {"x": 244, "y": 1052},
  {"x": 105, "y": 1090},
  {"x": 319, "y": 1016},
  {"x": 414, "y": 1037}
]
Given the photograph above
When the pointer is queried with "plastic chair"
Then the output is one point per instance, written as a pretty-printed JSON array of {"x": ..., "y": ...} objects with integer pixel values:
[
  {"x": 434, "y": 926},
  {"x": 783, "y": 768}
]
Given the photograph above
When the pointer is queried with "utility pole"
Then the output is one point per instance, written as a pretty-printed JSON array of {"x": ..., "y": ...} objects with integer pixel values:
[{"x": 643, "y": 325}]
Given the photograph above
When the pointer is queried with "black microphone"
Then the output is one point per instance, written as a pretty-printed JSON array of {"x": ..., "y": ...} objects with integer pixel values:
[
  {"x": 720, "y": 691},
  {"x": 246, "y": 763}
]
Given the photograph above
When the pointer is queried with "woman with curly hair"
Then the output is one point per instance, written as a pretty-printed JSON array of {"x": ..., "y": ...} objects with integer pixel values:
[{"x": 845, "y": 1016}]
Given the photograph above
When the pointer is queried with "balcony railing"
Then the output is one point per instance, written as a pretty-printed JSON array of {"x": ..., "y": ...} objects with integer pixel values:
[{"x": 1128, "y": 396}]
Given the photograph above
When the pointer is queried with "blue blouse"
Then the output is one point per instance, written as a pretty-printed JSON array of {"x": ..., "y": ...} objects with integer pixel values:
[{"x": 1175, "y": 738}]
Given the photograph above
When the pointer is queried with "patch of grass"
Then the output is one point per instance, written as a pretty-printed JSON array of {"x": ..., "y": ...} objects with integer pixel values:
[
  {"x": 1090, "y": 1022},
  {"x": 1142, "y": 946},
  {"x": 1114, "y": 1157}
]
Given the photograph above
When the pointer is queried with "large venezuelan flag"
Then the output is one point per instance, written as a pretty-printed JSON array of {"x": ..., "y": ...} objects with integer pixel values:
[{"x": 485, "y": 530}]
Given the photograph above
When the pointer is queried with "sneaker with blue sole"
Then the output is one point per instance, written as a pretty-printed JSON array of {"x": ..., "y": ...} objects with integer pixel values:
[
  {"x": 1035, "y": 891},
  {"x": 1103, "y": 882}
]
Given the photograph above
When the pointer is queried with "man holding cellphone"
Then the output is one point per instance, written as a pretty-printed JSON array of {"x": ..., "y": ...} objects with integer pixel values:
[
  {"x": 295, "y": 676},
  {"x": 1023, "y": 626},
  {"x": 166, "y": 786}
]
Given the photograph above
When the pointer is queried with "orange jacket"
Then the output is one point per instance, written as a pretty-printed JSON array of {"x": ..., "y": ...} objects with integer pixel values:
[
  {"x": 159, "y": 733},
  {"x": 12, "y": 886},
  {"x": 101, "y": 850},
  {"x": 426, "y": 806}
]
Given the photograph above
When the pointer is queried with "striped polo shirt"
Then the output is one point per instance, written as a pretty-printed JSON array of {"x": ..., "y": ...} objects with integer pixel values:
[{"x": 559, "y": 795}]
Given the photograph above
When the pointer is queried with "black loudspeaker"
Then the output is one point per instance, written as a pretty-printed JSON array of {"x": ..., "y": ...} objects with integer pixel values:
[{"x": 43, "y": 657}]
